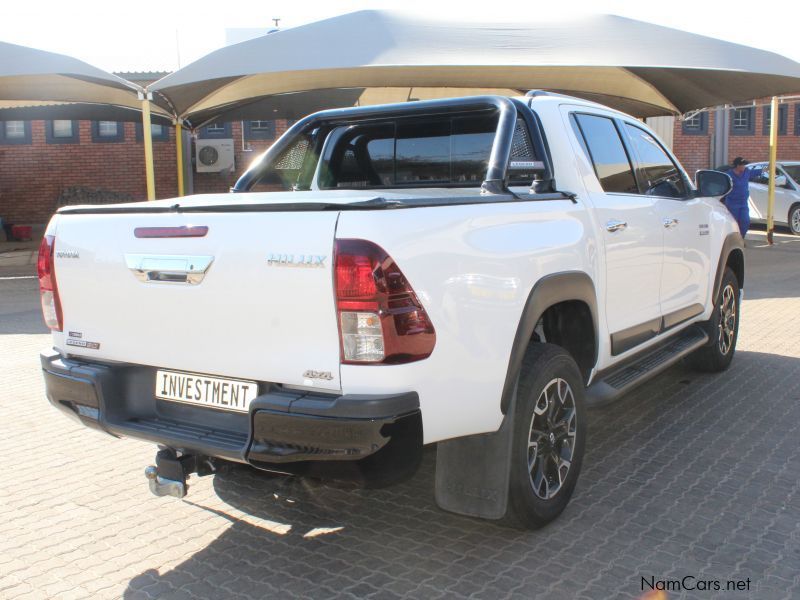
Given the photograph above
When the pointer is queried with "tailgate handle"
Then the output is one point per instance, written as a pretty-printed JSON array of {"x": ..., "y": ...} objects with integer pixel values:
[{"x": 166, "y": 268}]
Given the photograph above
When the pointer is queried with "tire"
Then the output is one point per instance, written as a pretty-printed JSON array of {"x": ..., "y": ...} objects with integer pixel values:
[
  {"x": 550, "y": 401},
  {"x": 794, "y": 219},
  {"x": 722, "y": 329}
]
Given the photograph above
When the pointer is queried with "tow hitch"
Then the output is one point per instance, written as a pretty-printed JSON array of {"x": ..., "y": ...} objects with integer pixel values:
[{"x": 168, "y": 476}]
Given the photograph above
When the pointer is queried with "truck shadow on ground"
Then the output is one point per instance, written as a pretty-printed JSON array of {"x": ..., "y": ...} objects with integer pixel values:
[
  {"x": 659, "y": 493},
  {"x": 20, "y": 312}
]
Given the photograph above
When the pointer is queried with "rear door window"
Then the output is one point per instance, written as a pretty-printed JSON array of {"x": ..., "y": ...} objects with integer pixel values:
[
  {"x": 661, "y": 175},
  {"x": 599, "y": 136}
]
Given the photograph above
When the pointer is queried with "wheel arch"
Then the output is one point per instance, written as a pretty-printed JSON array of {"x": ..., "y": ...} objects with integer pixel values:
[
  {"x": 792, "y": 206},
  {"x": 550, "y": 291},
  {"x": 731, "y": 255}
]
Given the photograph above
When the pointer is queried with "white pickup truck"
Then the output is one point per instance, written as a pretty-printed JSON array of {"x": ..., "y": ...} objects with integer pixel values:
[{"x": 471, "y": 272}]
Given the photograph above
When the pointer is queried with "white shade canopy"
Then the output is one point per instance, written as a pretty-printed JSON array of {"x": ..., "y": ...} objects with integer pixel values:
[
  {"x": 639, "y": 67},
  {"x": 44, "y": 85}
]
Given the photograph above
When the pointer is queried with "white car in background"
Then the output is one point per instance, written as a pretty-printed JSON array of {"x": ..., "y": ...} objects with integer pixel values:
[{"x": 787, "y": 195}]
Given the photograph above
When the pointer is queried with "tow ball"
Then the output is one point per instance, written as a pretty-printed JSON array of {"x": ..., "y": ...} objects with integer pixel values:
[{"x": 168, "y": 476}]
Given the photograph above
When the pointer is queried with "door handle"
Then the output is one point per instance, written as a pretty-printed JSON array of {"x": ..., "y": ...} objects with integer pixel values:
[
  {"x": 168, "y": 268},
  {"x": 670, "y": 222},
  {"x": 616, "y": 225}
]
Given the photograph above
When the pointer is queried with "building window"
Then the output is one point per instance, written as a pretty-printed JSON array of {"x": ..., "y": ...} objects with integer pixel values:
[
  {"x": 108, "y": 131},
  {"x": 61, "y": 132},
  {"x": 15, "y": 129},
  {"x": 783, "y": 119},
  {"x": 15, "y": 132},
  {"x": 107, "y": 128},
  {"x": 158, "y": 132},
  {"x": 696, "y": 125},
  {"x": 259, "y": 130},
  {"x": 217, "y": 130},
  {"x": 62, "y": 129},
  {"x": 743, "y": 121},
  {"x": 797, "y": 119}
]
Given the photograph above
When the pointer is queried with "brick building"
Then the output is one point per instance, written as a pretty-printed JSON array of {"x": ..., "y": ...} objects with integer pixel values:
[
  {"x": 700, "y": 144},
  {"x": 47, "y": 164}
]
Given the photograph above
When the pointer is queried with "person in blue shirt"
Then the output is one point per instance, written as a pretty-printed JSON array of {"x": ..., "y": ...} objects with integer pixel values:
[{"x": 737, "y": 198}]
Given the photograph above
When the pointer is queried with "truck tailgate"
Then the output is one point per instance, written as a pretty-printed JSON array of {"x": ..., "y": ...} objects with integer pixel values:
[{"x": 246, "y": 316}]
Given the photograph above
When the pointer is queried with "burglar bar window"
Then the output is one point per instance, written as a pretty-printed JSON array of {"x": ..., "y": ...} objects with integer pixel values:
[
  {"x": 217, "y": 130},
  {"x": 797, "y": 119},
  {"x": 107, "y": 128},
  {"x": 261, "y": 125},
  {"x": 61, "y": 131},
  {"x": 743, "y": 121},
  {"x": 108, "y": 131},
  {"x": 259, "y": 130},
  {"x": 158, "y": 132},
  {"x": 15, "y": 132},
  {"x": 783, "y": 119},
  {"x": 696, "y": 125},
  {"x": 15, "y": 129}
]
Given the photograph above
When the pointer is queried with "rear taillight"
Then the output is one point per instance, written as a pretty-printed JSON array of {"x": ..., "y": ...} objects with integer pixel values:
[
  {"x": 381, "y": 320},
  {"x": 51, "y": 304}
]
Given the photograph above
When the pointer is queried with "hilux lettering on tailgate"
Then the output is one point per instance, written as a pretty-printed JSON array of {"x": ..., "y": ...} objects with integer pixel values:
[{"x": 295, "y": 260}]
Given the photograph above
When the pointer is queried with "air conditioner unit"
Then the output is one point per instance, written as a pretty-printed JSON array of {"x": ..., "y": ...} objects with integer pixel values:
[{"x": 212, "y": 156}]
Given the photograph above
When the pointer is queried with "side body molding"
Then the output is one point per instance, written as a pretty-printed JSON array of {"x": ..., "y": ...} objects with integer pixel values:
[{"x": 550, "y": 290}]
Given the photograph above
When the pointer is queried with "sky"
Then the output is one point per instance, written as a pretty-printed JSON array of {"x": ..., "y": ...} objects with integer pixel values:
[{"x": 120, "y": 36}]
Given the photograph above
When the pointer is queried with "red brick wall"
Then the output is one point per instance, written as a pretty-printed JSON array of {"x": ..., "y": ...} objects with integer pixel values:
[
  {"x": 756, "y": 147},
  {"x": 32, "y": 176},
  {"x": 694, "y": 150},
  {"x": 205, "y": 183}
]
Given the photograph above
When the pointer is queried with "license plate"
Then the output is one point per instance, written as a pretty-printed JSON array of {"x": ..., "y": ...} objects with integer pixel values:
[{"x": 203, "y": 390}]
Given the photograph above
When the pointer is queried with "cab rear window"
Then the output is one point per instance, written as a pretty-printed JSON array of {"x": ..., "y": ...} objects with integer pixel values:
[{"x": 435, "y": 151}]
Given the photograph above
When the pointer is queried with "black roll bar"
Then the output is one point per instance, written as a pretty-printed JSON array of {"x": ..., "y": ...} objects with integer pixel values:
[{"x": 498, "y": 159}]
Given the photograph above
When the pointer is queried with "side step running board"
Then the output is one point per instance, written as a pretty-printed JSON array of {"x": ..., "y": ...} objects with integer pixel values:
[{"x": 620, "y": 380}]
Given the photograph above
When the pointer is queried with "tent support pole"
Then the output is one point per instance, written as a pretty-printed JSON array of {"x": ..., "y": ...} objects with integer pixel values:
[
  {"x": 773, "y": 157},
  {"x": 147, "y": 136},
  {"x": 179, "y": 155}
]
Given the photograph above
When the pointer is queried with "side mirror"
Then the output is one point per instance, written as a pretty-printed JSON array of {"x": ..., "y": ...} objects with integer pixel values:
[
  {"x": 712, "y": 183},
  {"x": 780, "y": 181}
]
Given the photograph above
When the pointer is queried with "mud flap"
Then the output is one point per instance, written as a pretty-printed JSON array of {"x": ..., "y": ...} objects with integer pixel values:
[{"x": 472, "y": 473}]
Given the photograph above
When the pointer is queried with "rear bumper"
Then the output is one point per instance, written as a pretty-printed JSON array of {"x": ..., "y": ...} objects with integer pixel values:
[{"x": 282, "y": 425}]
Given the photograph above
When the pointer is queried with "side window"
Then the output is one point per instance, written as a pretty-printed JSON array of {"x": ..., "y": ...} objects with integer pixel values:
[
  {"x": 662, "y": 175},
  {"x": 600, "y": 138},
  {"x": 764, "y": 177}
]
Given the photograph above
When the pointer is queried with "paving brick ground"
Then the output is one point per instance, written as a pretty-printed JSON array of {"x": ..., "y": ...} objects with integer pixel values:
[{"x": 691, "y": 475}]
